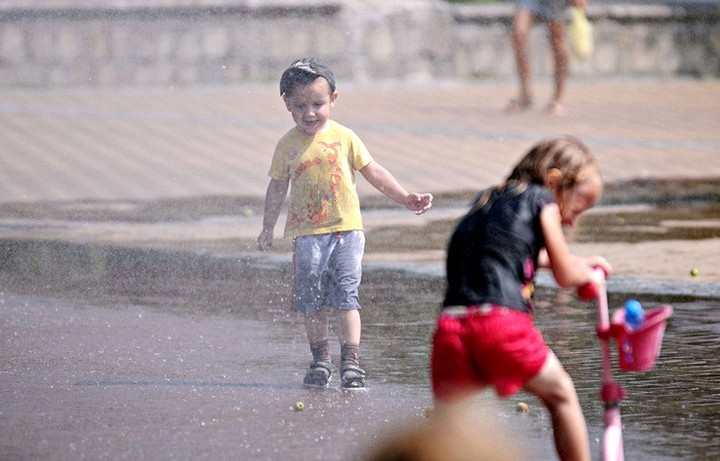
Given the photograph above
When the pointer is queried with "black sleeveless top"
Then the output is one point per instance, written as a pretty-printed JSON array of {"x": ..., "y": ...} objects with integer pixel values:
[{"x": 493, "y": 251}]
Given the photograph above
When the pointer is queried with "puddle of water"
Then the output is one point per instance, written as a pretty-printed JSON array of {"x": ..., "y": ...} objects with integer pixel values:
[
  {"x": 632, "y": 211},
  {"x": 685, "y": 221},
  {"x": 649, "y": 222},
  {"x": 669, "y": 413}
]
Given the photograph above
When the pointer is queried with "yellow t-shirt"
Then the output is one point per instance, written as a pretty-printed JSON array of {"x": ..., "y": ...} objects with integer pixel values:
[{"x": 321, "y": 169}]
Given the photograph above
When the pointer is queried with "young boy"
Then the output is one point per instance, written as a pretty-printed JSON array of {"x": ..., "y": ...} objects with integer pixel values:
[{"x": 319, "y": 158}]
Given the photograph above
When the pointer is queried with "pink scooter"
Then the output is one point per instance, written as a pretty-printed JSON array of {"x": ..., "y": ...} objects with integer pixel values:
[{"x": 637, "y": 351}]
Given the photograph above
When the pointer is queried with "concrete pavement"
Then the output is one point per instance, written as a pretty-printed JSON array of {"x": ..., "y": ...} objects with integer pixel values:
[
  {"x": 160, "y": 143},
  {"x": 101, "y": 149}
]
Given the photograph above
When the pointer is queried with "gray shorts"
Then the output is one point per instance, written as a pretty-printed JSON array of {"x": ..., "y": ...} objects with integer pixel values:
[
  {"x": 327, "y": 271},
  {"x": 546, "y": 10}
]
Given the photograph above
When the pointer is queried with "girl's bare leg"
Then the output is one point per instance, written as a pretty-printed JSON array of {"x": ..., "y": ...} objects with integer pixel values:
[{"x": 556, "y": 390}]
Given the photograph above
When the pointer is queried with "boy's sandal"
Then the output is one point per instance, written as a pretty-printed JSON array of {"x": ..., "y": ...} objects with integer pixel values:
[
  {"x": 353, "y": 377},
  {"x": 516, "y": 106},
  {"x": 318, "y": 375}
]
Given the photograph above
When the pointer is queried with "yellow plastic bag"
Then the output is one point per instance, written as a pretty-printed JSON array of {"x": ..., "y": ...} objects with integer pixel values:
[{"x": 581, "y": 34}]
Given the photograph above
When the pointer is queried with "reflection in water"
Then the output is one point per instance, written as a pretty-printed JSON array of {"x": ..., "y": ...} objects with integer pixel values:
[{"x": 669, "y": 413}]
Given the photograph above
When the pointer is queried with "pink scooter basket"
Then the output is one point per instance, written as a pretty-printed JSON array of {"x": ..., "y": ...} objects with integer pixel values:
[{"x": 639, "y": 349}]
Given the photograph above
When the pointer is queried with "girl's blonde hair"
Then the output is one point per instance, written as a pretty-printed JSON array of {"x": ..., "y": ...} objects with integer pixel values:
[
  {"x": 567, "y": 154},
  {"x": 570, "y": 156}
]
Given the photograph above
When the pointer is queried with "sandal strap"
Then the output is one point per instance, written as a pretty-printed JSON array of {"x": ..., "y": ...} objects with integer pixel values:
[
  {"x": 321, "y": 365},
  {"x": 353, "y": 370},
  {"x": 319, "y": 375},
  {"x": 353, "y": 377}
]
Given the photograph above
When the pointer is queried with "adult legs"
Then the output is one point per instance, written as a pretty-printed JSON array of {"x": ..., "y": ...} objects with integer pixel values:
[
  {"x": 561, "y": 57},
  {"x": 556, "y": 390},
  {"x": 522, "y": 24}
]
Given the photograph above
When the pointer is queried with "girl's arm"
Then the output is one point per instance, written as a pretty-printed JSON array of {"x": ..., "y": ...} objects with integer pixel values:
[
  {"x": 568, "y": 269},
  {"x": 382, "y": 180},
  {"x": 274, "y": 198}
]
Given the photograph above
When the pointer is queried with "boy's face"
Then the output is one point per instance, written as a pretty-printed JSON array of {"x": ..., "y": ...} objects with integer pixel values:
[{"x": 310, "y": 106}]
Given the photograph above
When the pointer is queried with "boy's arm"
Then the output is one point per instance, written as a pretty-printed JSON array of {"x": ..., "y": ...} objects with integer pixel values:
[
  {"x": 382, "y": 180},
  {"x": 274, "y": 198}
]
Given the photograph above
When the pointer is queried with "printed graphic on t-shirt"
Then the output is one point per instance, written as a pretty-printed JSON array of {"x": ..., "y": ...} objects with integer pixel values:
[
  {"x": 318, "y": 195},
  {"x": 322, "y": 177}
]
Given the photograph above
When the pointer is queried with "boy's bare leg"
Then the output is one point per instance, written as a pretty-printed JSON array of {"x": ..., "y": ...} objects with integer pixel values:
[
  {"x": 556, "y": 390},
  {"x": 316, "y": 326},
  {"x": 522, "y": 24},
  {"x": 319, "y": 373},
  {"x": 349, "y": 326},
  {"x": 561, "y": 56},
  {"x": 353, "y": 377}
]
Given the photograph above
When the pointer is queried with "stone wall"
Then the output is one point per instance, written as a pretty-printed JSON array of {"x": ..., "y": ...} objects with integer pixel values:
[
  {"x": 630, "y": 40},
  {"x": 183, "y": 42}
]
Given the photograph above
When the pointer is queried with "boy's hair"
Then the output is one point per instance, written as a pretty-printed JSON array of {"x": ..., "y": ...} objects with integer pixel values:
[
  {"x": 567, "y": 154},
  {"x": 303, "y": 72}
]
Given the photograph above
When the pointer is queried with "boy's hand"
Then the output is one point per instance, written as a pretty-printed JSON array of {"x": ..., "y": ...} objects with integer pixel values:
[
  {"x": 419, "y": 203},
  {"x": 265, "y": 239}
]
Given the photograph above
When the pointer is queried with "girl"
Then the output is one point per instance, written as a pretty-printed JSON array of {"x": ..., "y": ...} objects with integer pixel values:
[{"x": 485, "y": 332}]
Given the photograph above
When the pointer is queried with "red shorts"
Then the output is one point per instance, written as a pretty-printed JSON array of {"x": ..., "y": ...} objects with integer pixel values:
[{"x": 481, "y": 346}]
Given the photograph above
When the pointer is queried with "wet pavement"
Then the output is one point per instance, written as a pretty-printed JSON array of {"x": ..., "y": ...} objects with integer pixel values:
[
  {"x": 134, "y": 354},
  {"x": 137, "y": 320}
]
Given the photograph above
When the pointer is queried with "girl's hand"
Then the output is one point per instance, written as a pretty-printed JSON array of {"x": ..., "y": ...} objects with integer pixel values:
[
  {"x": 419, "y": 203},
  {"x": 590, "y": 290},
  {"x": 579, "y": 3}
]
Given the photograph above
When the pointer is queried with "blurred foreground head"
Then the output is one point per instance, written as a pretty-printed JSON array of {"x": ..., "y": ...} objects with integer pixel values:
[{"x": 451, "y": 434}]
